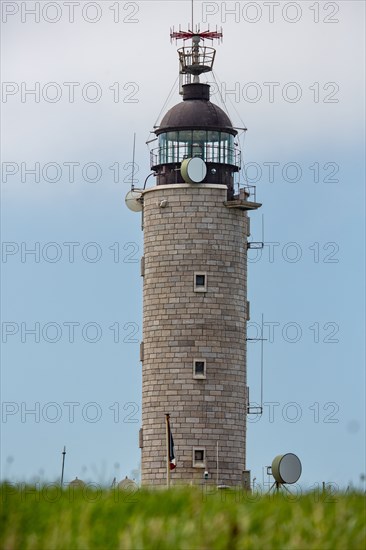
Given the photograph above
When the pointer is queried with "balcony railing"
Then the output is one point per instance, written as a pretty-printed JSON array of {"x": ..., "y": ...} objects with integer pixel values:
[
  {"x": 248, "y": 192},
  {"x": 196, "y": 60}
]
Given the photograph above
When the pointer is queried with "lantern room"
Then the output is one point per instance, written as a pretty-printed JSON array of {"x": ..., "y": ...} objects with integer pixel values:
[{"x": 196, "y": 128}]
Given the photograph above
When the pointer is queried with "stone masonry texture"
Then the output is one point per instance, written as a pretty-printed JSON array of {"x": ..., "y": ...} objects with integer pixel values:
[{"x": 194, "y": 232}]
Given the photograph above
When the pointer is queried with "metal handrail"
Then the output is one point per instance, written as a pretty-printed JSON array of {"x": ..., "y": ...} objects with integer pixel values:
[
  {"x": 250, "y": 192},
  {"x": 196, "y": 60},
  {"x": 217, "y": 154}
]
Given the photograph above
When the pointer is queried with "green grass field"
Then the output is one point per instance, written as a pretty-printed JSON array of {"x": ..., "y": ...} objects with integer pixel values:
[{"x": 188, "y": 518}]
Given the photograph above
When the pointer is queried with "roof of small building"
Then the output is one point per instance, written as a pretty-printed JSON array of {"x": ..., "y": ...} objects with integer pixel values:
[
  {"x": 127, "y": 484},
  {"x": 77, "y": 482}
]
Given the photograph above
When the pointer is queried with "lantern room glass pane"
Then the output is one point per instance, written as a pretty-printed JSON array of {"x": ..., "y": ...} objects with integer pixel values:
[
  {"x": 199, "y": 142},
  {"x": 185, "y": 141},
  {"x": 211, "y": 146},
  {"x": 163, "y": 148},
  {"x": 172, "y": 147}
]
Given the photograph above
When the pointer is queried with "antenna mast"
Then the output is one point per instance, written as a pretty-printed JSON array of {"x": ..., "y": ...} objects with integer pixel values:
[
  {"x": 133, "y": 162},
  {"x": 262, "y": 341},
  {"x": 195, "y": 59}
]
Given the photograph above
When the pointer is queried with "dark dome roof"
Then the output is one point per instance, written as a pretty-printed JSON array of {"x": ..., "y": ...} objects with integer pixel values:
[{"x": 194, "y": 113}]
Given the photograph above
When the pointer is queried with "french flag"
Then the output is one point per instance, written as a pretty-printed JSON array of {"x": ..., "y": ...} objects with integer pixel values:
[{"x": 172, "y": 461}]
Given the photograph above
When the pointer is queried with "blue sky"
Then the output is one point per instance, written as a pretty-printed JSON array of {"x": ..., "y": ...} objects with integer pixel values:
[{"x": 312, "y": 375}]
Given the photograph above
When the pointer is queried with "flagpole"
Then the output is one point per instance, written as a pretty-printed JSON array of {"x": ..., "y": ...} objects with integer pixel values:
[
  {"x": 167, "y": 451},
  {"x": 217, "y": 463},
  {"x": 63, "y": 466}
]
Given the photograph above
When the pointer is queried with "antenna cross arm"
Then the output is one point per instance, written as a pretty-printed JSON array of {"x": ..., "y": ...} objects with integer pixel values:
[
  {"x": 185, "y": 35},
  {"x": 210, "y": 34}
]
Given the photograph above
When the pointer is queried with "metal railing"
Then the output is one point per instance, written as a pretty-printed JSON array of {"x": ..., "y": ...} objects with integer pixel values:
[
  {"x": 249, "y": 192},
  {"x": 197, "y": 59},
  {"x": 217, "y": 154}
]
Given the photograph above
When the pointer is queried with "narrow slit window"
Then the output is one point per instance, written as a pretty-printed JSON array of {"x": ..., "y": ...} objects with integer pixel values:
[
  {"x": 199, "y": 368},
  {"x": 200, "y": 282}
]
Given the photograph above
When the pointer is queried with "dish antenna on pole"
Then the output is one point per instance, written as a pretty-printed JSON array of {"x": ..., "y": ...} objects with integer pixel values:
[
  {"x": 286, "y": 469},
  {"x": 133, "y": 200}
]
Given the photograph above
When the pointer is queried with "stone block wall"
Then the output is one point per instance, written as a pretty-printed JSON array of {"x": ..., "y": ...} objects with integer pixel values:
[{"x": 194, "y": 232}]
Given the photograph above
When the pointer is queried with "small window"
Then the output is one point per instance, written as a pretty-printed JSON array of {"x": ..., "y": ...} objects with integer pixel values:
[
  {"x": 199, "y": 368},
  {"x": 200, "y": 282},
  {"x": 199, "y": 458}
]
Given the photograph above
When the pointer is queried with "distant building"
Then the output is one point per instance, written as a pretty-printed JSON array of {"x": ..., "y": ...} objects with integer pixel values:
[
  {"x": 127, "y": 484},
  {"x": 77, "y": 483}
]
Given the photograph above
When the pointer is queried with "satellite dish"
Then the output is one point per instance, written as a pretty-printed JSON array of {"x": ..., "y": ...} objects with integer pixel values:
[
  {"x": 286, "y": 468},
  {"x": 133, "y": 200},
  {"x": 193, "y": 170}
]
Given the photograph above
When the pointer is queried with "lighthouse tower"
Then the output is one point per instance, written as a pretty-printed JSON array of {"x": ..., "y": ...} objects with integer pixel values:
[{"x": 195, "y": 307}]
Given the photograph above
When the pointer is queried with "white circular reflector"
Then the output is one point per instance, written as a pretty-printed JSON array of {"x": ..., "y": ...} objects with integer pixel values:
[
  {"x": 193, "y": 170},
  {"x": 132, "y": 200},
  {"x": 286, "y": 468}
]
